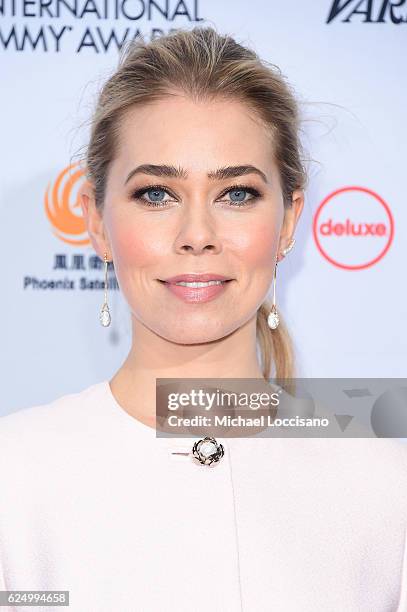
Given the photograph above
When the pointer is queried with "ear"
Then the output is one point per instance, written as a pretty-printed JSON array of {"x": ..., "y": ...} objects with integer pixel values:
[
  {"x": 94, "y": 220},
  {"x": 291, "y": 217}
]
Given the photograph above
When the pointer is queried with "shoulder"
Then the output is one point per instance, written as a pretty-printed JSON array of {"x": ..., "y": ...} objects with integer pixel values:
[
  {"x": 30, "y": 425},
  {"x": 362, "y": 475},
  {"x": 370, "y": 458},
  {"x": 371, "y": 470},
  {"x": 48, "y": 446}
]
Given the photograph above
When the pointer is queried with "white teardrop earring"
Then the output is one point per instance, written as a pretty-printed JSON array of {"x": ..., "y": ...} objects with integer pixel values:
[
  {"x": 273, "y": 319},
  {"x": 104, "y": 316}
]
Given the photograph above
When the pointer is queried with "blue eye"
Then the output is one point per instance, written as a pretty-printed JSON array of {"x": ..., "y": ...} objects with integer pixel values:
[
  {"x": 154, "y": 194},
  {"x": 240, "y": 190},
  {"x": 157, "y": 200},
  {"x": 240, "y": 193}
]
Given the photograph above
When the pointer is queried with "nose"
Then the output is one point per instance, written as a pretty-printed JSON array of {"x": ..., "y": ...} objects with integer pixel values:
[{"x": 197, "y": 232}]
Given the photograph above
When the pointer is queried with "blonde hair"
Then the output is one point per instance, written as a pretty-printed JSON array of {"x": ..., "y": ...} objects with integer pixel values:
[{"x": 204, "y": 64}]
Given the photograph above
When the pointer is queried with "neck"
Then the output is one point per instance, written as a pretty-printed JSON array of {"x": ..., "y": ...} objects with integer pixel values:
[{"x": 152, "y": 356}]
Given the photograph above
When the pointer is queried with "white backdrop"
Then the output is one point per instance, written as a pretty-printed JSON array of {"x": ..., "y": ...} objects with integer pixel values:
[{"x": 343, "y": 296}]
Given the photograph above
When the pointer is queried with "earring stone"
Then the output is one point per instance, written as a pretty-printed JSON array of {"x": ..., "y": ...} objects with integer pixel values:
[
  {"x": 273, "y": 319},
  {"x": 105, "y": 317}
]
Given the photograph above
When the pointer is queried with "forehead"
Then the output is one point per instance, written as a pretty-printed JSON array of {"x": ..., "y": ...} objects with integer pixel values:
[{"x": 195, "y": 135}]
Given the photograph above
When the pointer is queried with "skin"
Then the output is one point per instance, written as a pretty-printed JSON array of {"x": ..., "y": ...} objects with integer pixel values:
[{"x": 198, "y": 230}]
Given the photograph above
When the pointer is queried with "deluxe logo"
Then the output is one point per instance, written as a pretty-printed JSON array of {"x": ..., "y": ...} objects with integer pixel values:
[
  {"x": 353, "y": 228},
  {"x": 368, "y": 11},
  {"x": 63, "y": 209}
]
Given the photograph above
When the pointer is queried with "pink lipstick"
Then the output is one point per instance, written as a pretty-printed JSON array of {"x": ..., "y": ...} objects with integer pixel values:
[{"x": 193, "y": 288}]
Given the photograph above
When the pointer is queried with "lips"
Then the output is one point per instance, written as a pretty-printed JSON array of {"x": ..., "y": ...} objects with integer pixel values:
[
  {"x": 198, "y": 278},
  {"x": 197, "y": 292}
]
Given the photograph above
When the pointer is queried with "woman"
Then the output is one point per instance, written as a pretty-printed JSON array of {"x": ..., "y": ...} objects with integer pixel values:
[{"x": 194, "y": 168}]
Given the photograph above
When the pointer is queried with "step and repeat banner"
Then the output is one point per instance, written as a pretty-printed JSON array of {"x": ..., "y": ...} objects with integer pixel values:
[{"x": 341, "y": 289}]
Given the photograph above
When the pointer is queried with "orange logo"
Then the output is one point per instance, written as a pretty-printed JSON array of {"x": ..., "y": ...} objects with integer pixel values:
[{"x": 63, "y": 209}]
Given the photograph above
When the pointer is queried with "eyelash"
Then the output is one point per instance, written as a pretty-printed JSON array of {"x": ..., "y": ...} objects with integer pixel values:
[{"x": 137, "y": 195}]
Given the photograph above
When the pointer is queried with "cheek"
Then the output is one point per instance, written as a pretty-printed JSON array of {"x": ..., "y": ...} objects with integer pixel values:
[
  {"x": 135, "y": 247},
  {"x": 257, "y": 246}
]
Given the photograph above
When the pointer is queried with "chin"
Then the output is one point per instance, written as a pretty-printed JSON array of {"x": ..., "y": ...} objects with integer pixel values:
[{"x": 197, "y": 335}]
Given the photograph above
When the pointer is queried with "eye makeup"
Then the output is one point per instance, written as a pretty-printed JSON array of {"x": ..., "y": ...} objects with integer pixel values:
[{"x": 138, "y": 195}]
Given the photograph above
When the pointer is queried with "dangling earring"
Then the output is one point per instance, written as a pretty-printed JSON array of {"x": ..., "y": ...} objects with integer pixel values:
[
  {"x": 104, "y": 316},
  {"x": 273, "y": 319}
]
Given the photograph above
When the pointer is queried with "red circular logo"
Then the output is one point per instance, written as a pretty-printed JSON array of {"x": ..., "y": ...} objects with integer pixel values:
[{"x": 353, "y": 228}]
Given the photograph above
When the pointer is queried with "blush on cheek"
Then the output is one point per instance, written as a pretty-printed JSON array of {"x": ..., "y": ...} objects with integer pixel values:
[
  {"x": 127, "y": 245},
  {"x": 258, "y": 248},
  {"x": 133, "y": 246}
]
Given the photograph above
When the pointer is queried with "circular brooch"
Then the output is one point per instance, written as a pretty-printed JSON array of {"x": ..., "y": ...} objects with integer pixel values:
[{"x": 208, "y": 450}]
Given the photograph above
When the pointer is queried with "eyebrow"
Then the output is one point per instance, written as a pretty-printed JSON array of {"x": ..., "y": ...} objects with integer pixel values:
[{"x": 225, "y": 172}]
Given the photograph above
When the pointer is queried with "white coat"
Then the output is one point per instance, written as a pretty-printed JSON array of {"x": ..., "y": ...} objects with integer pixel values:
[{"x": 93, "y": 503}]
